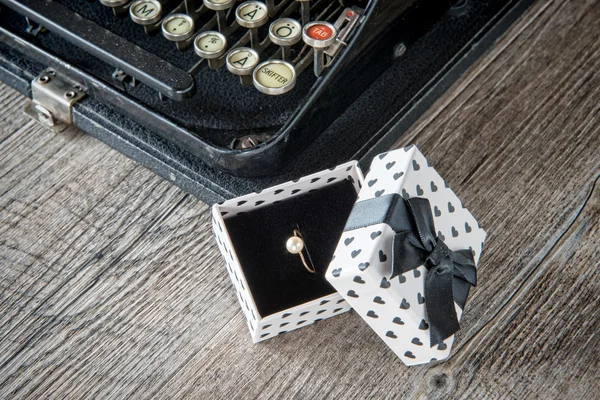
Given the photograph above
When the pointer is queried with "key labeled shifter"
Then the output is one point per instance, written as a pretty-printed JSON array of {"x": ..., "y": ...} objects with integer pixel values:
[{"x": 274, "y": 77}]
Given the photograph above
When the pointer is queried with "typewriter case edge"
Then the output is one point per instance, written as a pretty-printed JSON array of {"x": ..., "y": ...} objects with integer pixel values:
[{"x": 186, "y": 171}]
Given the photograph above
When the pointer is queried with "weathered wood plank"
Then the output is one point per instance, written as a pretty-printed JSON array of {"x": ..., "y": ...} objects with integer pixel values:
[{"x": 111, "y": 286}]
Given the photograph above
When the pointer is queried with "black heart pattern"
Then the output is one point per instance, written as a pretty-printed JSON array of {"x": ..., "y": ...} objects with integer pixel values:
[
  {"x": 416, "y": 165},
  {"x": 382, "y": 256},
  {"x": 391, "y": 334},
  {"x": 454, "y": 232},
  {"x": 390, "y": 165},
  {"x": 336, "y": 272},
  {"x": 358, "y": 279},
  {"x": 321, "y": 312},
  {"x": 423, "y": 325},
  {"x": 398, "y": 321},
  {"x": 416, "y": 341},
  {"x": 375, "y": 235},
  {"x": 258, "y": 203},
  {"x": 378, "y": 300},
  {"x": 401, "y": 278},
  {"x": 441, "y": 236},
  {"x": 301, "y": 322},
  {"x": 284, "y": 324},
  {"x": 409, "y": 354},
  {"x": 434, "y": 188},
  {"x": 304, "y": 313},
  {"x": 331, "y": 179},
  {"x": 451, "y": 208},
  {"x": 385, "y": 284},
  {"x": 352, "y": 293},
  {"x": 405, "y": 305},
  {"x": 419, "y": 191},
  {"x": 372, "y": 182},
  {"x": 372, "y": 314},
  {"x": 296, "y": 191},
  {"x": 420, "y": 298},
  {"x": 442, "y": 346},
  {"x": 286, "y": 315},
  {"x": 379, "y": 192},
  {"x": 363, "y": 266},
  {"x": 348, "y": 241},
  {"x": 313, "y": 180},
  {"x": 436, "y": 211},
  {"x": 382, "y": 156},
  {"x": 405, "y": 194},
  {"x": 278, "y": 191},
  {"x": 468, "y": 228},
  {"x": 355, "y": 253},
  {"x": 337, "y": 309},
  {"x": 416, "y": 273},
  {"x": 350, "y": 178},
  {"x": 323, "y": 302},
  {"x": 241, "y": 202},
  {"x": 398, "y": 175}
]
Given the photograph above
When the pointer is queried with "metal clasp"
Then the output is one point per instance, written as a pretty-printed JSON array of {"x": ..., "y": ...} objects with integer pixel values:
[{"x": 52, "y": 101}]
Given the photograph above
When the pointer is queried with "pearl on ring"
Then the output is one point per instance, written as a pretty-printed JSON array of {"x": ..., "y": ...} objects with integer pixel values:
[{"x": 294, "y": 245}]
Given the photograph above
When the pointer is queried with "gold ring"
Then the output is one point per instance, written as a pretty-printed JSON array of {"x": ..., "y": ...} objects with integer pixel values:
[{"x": 295, "y": 245}]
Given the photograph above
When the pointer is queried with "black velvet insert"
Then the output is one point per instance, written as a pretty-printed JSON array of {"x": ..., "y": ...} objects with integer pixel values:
[{"x": 277, "y": 279}]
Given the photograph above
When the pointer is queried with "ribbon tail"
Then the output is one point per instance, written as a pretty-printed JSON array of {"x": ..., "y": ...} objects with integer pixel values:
[{"x": 443, "y": 321}]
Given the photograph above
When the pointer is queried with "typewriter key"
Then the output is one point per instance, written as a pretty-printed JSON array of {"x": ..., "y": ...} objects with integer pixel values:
[
  {"x": 319, "y": 35},
  {"x": 285, "y": 32},
  {"x": 145, "y": 12},
  {"x": 211, "y": 45},
  {"x": 220, "y": 6},
  {"x": 178, "y": 27},
  {"x": 274, "y": 77},
  {"x": 114, "y": 3},
  {"x": 252, "y": 15},
  {"x": 241, "y": 62}
]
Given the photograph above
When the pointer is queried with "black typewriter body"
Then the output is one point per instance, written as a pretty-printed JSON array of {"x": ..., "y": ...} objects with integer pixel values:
[{"x": 191, "y": 120}]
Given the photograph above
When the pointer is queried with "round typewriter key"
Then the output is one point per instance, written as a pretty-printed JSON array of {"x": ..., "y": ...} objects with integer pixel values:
[
  {"x": 241, "y": 62},
  {"x": 218, "y": 5},
  {"x": 145, "y": 12},
  {"x": 114, "y": 3},
  {"x": 274, "y": 77},
  {"x": 252, "y": 14},
  {"x": 319, "y": 34},
  {"x": 178, "y": 27},
  {"x": 210, "y": 45},
  {"x": 285, "y": 32}
]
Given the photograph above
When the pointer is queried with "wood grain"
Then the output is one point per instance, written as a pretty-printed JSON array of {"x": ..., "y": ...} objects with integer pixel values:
[{"x": 111, "y": 285}]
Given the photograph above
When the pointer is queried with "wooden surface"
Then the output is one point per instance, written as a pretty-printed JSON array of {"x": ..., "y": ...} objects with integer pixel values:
[{"x": 111, "y": 285}]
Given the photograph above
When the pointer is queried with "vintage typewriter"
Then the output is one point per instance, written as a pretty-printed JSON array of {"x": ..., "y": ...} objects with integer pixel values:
[{"x": 227, "y": 96}]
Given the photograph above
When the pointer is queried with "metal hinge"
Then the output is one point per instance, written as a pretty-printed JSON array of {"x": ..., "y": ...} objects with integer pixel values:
[{"x": 52, "y": 101}]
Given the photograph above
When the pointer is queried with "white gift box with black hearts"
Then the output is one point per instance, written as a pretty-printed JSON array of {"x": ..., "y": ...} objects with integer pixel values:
[
  {"x": 275, "y": 291},
  {"x": 362, "y": 265}
]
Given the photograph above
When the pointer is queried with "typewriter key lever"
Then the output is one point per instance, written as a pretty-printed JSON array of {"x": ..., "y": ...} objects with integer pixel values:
[
  {"x": 178, "y": 28},
  {"x": 147, "y": 13},
  {"x": 211, "y": 45},
  {"x": 241, "y": 62},
  {"x": 118, "y": 6},
  {"x": 319, "y": 35},
  {"x": 220, "y": 6},
  {"x": 285, "y": 32},
  {"x": 252, "y": 15}
]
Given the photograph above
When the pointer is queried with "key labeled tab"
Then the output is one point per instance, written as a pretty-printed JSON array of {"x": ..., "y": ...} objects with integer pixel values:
[
  {"x": 319, "y": 34},
  {"x": 178, "y": 27},
  {"x": 145, "y": 12},
  {"x": 274, "y": 77}
]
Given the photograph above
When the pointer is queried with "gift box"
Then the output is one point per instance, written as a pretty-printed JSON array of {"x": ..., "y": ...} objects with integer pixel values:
[
  {"x": 276, "y": 292},
  {"x": 407, "y": 257},
  {"x": 402, "y": 247}
]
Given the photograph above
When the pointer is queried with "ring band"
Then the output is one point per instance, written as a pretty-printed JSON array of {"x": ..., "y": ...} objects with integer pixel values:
[{"x": 295, "y": 245}]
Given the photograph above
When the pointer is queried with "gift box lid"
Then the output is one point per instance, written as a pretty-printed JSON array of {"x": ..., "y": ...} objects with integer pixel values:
[{"x": 407, "y": 256}]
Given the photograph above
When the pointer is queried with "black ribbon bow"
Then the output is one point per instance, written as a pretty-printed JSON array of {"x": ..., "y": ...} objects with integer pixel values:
[{"x": 450, "y": 273}]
